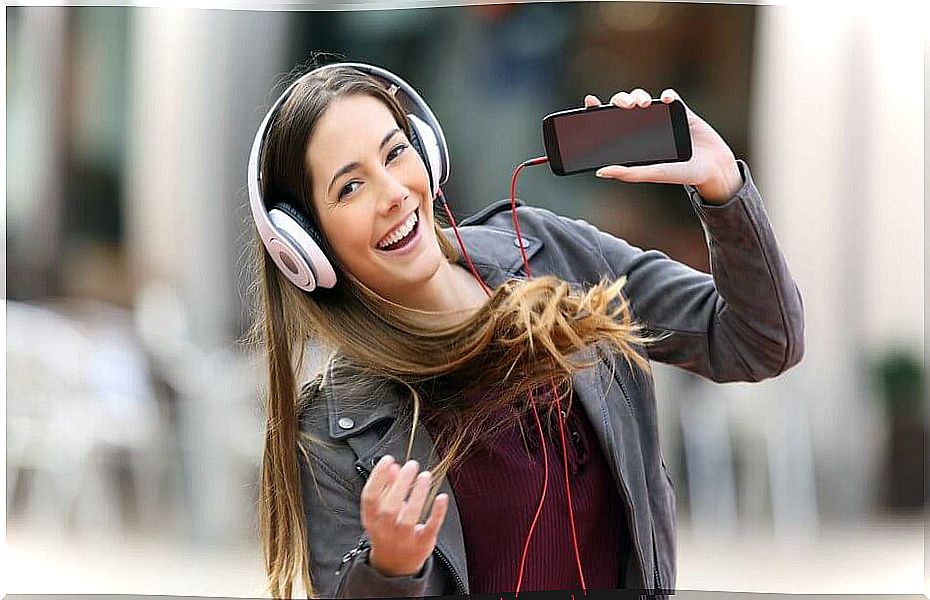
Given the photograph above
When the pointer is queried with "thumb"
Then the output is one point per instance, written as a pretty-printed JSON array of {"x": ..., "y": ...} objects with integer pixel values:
[{"x": 646, "y": 173}]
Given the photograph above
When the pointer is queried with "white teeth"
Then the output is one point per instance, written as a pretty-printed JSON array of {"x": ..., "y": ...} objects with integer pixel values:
[{"x": 401, "y": 231}]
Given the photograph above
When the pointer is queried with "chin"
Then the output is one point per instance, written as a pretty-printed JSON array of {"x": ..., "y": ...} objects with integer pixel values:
[{"x": 427, "y": 263}]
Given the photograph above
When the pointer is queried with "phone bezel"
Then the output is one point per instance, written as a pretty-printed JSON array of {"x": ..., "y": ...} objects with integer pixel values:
[{"x": 679, "y": 129}]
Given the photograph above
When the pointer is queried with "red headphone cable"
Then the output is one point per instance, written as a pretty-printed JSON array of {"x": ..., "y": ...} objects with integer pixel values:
[
  {"x": 542, "y": 498},
  {"x": 455, "y": 229},
  {"x": 540, "y": 160},
  {"x": 526, "y": 266}
]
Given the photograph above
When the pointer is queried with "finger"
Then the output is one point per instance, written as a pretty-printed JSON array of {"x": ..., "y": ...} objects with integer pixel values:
[
  {"x": 395, "y": 495},
  {"x": 429, "y": 529},
  {"x": 385, "y": 484},
  {"x": 621, "y": 99},
  {"x": 382, "y": 476},
  {"x": 413, "y": 508},
  {"x": 641, "y": 97},
  {"x": 669, "y": 95},
  {"x": 591, "y": 100},
  {"x": 382, "y": 470}
]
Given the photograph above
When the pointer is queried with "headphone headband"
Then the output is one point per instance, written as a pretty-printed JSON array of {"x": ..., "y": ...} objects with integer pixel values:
[{"x": 291, "y": 240}]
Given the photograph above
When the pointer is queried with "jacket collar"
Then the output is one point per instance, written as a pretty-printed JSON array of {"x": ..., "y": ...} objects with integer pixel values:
[{"x": 355, "y": 400}]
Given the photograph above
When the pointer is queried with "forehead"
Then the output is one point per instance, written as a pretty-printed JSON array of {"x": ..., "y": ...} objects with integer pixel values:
[{"x": 350, "y": 128}]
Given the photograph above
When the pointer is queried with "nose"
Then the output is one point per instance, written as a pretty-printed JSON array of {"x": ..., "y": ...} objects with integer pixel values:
[{"x": 394, "y": 193}]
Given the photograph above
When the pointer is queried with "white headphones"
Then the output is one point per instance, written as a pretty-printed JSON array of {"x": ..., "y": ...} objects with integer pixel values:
[{"x": 295, "y": 245}]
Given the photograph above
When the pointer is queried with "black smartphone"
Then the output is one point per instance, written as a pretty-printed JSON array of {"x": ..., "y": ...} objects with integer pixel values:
[{"x": 586, "y": 139}]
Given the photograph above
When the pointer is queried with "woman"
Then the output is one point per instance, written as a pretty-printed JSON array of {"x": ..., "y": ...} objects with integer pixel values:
[{"x": 533, "y": 394}]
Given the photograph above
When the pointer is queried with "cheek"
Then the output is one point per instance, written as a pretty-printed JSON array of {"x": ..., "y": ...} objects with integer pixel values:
[
  {"x": 415, "y": 172},
  {"x": 347, "y": 235}
]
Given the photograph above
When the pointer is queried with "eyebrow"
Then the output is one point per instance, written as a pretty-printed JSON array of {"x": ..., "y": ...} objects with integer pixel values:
[{"x": 354, "y": 165}]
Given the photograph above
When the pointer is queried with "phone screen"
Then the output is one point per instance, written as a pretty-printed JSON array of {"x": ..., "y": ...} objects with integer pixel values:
[{"x": 615, "y": 136}]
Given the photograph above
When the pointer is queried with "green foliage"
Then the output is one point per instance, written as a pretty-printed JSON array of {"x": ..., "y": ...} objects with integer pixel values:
[{"x": 898, "y": 376}]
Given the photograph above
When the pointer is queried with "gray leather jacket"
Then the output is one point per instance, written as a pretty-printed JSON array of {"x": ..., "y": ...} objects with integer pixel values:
[{"x": 744, "y": 323}]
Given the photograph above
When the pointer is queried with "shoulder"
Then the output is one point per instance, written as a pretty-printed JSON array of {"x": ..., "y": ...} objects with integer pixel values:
[
  {"x": 535, "y": 221},
  {"x": 570, "y": 248}
]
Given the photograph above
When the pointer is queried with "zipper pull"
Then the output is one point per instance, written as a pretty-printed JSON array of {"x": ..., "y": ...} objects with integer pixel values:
[
  {"x": 359, "y": 547},
  {"x": 365, "y": 470},
  {"x": 348, "y": 556}
]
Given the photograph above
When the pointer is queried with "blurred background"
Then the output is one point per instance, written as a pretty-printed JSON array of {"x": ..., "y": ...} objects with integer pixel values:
[{"x": 134, "y": 420}]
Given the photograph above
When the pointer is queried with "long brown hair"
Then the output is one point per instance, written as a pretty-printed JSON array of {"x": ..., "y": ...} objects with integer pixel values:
[{"x": 528, "y": 333}]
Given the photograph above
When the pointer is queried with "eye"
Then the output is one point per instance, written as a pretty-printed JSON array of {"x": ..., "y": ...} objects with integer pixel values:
[
  {"x": 396, "y": 151},
  {"x": 348, "y": 189}
]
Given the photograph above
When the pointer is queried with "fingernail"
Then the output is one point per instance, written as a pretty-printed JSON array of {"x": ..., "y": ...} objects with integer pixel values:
[
  {"x": 387, "y": 458},
  {"x": 424, "y": 475},
  {"x": 600, "y": 173}
]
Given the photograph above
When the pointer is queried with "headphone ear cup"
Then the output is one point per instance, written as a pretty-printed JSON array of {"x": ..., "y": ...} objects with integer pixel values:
[
  {"x": 424, "y": 141},
  {"x": 308, "y": 243},
  {"x": 301, "y": 220}
]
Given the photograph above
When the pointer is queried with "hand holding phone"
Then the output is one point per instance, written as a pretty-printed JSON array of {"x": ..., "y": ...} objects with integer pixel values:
[{"x": 711, "y": 166}]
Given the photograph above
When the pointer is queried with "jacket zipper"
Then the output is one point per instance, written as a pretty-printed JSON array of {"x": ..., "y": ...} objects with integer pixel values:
[
  {"x": 361, "y": 545},
  {"x": 459, "y": 584},
  {"x": 626, "y": 397},
  {"x": 616, "y": 377},
  {"x": 655, "y": 563},
  {"x": 346, "y": 558}
]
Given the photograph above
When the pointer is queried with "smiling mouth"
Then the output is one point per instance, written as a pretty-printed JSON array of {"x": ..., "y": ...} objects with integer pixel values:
[{"x": 398, "y": 244}]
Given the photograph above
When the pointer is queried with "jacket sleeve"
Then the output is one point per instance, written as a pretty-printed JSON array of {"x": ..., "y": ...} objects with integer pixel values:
[
  {"x": 337, "y": 545},
  {"x": 745, "y": 322}
]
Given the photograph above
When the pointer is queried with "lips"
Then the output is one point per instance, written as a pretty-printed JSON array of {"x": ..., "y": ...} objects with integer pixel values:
[{"x": 401, "y": 234}]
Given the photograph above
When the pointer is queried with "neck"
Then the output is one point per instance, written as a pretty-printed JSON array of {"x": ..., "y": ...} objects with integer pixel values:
[{"x": 452, "y": 293}]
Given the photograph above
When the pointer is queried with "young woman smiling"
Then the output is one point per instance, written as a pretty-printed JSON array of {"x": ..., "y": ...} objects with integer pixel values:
[{"x": 475, "y": 429}]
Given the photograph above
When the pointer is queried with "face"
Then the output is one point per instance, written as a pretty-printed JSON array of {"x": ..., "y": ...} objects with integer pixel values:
[{"x": 369, "y": 187}]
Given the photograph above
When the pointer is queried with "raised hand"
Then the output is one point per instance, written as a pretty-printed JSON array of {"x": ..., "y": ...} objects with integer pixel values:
[{"x": 391, "y": 505}]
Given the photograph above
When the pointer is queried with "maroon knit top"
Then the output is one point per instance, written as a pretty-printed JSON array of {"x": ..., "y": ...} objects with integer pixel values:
[{"x": 497, "y": 490}]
